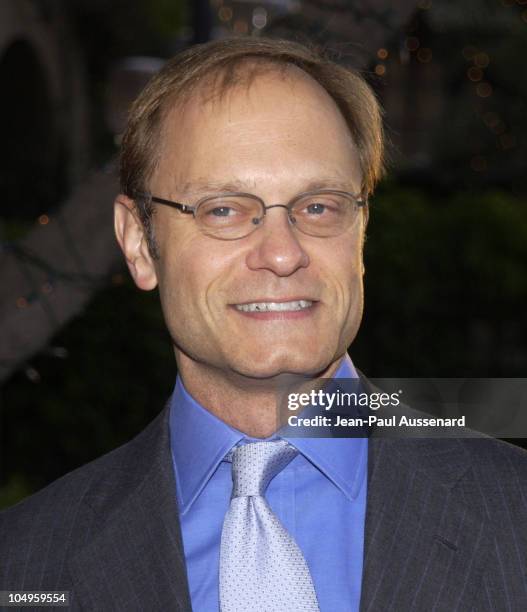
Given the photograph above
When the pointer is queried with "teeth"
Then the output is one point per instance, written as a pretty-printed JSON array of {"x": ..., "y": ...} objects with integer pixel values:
[{"x": 274, "y": 306}]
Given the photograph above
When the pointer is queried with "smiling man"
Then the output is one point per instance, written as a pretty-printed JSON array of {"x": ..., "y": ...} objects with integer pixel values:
[
  {"x": 246, "y": 169},
  {"x": 246, "y": 302}
]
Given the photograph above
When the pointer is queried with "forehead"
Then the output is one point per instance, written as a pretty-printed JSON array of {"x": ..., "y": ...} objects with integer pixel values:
[{"x": 266, "y": 126}]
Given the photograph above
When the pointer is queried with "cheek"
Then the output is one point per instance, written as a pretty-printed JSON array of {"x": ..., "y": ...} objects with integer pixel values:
[
  {"x": 183, "y": 289},
  {"x": 175, "y": 277},
  {"x": 345, "y": 266},
  {"x": 349, "y": 287},
  {"x": 194, "y": 282}
]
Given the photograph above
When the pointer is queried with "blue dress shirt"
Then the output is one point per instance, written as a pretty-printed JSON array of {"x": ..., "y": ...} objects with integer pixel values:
[{"x": 320, "y": 498}]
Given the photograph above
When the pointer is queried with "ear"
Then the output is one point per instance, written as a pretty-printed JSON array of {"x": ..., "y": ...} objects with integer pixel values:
[{"x": 132, "y": 239}]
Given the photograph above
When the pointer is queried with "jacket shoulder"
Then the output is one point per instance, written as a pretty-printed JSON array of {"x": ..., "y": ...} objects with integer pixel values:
[{"x": 40, "y": 530}]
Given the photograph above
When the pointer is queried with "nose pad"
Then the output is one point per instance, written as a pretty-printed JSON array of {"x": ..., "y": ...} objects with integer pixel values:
[{"x": 278, "y": 248}]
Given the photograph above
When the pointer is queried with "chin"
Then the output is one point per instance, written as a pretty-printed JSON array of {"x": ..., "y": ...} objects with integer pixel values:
[{"x": 285, "y": 363}]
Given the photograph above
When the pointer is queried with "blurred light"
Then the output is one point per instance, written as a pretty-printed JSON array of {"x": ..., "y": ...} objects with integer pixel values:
[
  {"x": 380, "y": 70},
  {"x": 499, "y": 128},
  {"x": 482, "y": 60},
  {"x": 21, "y": 302},
  {"x": 524, "y": 16},
  {"x": 47, "y": 288},
  {"x": 424, "y": 55},
  {"x": 58, "y": 351},
  {"x": 225, "y": 13},
  {"x": 404, "y": 55},
  {"x": 478, "y": 163},
  {"x": 412, "y": 43},
  {"x": 240, "y": 26},
  {"x": 469, "y": 52},
  {"x": 425, "y": 4},
  {"x": 43, "y": 219},
  {"x": 259, "y": 17},
  {"x": 493, "y": 121},
  {"x": 484, "y": 90},
  {"x": 521, "y": 1},
  {"x": 508, "y": 140},
  {"x": 382, "y": 53},
  {"x": 32, "y": 374},
  {"x": 475, "y": 74}
]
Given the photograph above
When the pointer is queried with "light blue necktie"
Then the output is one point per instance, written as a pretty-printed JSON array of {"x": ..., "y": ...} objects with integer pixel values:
[{"x": 261, "y": 567}]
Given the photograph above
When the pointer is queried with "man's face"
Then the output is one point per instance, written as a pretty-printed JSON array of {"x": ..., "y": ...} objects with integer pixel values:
[{"x": 275, "y": 139}]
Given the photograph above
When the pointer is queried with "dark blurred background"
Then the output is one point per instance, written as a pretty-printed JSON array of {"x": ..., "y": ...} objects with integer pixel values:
[{"x": 85, "y": 361}]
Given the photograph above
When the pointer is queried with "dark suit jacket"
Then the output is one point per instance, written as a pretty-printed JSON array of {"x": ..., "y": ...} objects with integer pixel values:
[{"x": 446, "y": 529}]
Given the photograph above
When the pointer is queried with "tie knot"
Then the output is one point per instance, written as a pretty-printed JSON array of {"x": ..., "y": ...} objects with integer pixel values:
[{"x": 254, "y": 465}]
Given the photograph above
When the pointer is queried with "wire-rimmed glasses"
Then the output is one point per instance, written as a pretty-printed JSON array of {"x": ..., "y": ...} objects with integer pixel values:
[{"x": 229, "y": 216}]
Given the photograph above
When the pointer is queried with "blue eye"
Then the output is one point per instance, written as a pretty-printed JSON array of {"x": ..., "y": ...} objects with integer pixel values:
[
  {"x": 221, "y": 211},
  {"x": 316, "y": 208}
]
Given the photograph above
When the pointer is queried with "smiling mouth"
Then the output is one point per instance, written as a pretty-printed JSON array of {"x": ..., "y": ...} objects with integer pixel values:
[{"x": 291, "y": 306}]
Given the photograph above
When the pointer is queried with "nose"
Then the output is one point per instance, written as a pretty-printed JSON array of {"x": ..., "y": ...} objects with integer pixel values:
[{"x": 276, "y": 246}]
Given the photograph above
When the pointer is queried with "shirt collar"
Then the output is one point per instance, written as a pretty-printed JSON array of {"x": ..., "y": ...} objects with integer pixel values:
[
  {"x": 342, "y": 460},
  {"x": 200, "y": 441}
]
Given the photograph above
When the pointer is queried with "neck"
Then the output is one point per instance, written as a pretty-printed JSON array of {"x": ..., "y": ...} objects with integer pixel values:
[{"x": 250, "y": 405}]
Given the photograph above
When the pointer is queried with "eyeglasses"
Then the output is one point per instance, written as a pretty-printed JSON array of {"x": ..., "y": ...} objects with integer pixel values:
[{"x": 230, "y": 216}]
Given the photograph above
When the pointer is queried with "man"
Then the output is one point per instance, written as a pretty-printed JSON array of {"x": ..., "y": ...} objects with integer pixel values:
[{"x": 245, "y": 171}]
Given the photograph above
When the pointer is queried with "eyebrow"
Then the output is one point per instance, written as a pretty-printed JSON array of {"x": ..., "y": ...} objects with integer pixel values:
[{"x": 203, "y": 187}]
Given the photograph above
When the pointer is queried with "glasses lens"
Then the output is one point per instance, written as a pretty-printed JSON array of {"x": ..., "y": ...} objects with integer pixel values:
[
  {"x": 324, "y": 213},
  {"x": 229, "y": 216}
]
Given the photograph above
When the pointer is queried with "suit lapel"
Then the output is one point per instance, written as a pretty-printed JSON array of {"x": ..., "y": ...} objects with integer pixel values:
[
  {"x": 424, "y": 547},
  {"x": 134, "y": 561}
]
